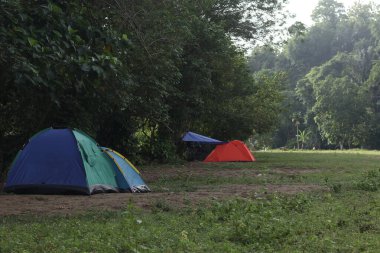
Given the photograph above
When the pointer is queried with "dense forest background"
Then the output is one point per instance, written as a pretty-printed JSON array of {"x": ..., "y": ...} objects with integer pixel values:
[
  {"x": 136, "y": 75},
  {"x": 332, "y": 95}
]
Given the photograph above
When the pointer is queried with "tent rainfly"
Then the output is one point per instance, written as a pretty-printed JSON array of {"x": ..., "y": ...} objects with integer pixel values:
[{"x": 194, "y": 137}]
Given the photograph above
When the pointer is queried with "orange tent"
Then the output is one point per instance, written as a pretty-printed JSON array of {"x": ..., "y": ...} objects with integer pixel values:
[{"x": 233, "y": 151}]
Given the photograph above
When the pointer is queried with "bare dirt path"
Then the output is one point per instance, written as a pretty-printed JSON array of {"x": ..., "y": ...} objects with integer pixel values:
[{"x": 11, "y": 204}]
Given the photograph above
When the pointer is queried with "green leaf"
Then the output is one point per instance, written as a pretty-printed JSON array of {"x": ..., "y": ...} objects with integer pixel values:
[
  {"x": 78, "y": 39},
  {"x": 55, "y": 8},
  {"x": 125, "y": 37},
  {"x": 32, "y": 42},
  {"x": 71, "y": 30},
  {"x": 19, "y": 29},
  {"x": 58, "y": 34}
]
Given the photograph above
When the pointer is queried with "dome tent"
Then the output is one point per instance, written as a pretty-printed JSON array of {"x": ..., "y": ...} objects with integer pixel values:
[
  {"x": 233, "y": 151},
  {"x": 65, "y": 161}
]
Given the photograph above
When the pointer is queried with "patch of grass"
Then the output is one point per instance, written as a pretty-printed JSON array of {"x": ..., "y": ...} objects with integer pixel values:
[
  {"x": 331, "y": 168},
  {"x": 186, "y": 184},
  {"x": 344, "y": 219},
  {"x": 161, "y": 205},
  {"x": 370, "y": 181},
  {"x": 302, "y": 223}
]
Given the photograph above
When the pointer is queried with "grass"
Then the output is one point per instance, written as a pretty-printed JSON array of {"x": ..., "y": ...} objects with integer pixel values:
[
  {"x": 331, "y": 167},
  {"x": 346, "y": 218}
]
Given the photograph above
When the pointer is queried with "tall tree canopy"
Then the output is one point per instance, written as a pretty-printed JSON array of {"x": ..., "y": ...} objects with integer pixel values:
[
  {"x": 332, "y": 77},
  {"x": 134, "y": 74}
]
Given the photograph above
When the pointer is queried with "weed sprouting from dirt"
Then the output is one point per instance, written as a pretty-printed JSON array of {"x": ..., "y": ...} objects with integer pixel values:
[{"x": 161, "y": 205}]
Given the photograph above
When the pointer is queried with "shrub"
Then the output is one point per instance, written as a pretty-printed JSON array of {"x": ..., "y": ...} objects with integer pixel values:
[
  {"x": 336, "y": 188},
  {"x": 370, "y": 181}
]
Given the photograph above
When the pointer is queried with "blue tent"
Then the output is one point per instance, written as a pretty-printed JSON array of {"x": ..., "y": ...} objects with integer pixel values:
[
  {"x": 129, "y": 172},
  {"x": 57, "y": 161},
  {"x": 193, "y": 137},
  {"x": 51, "y": 159}
]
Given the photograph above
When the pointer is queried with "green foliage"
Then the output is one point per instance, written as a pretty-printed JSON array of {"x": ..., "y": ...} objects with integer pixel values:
[
  {"x": 267, "y": 99},
  {"x": 332, "y": 80},
  {"x": 133, "y": 74},
  {"x": 370, "y": 181},
  {"x": 344, "y": 120},
  {"x": 60, "y": 65},
  {"x": 303, "y": 137},
  {"x": 329, "y": 11}
]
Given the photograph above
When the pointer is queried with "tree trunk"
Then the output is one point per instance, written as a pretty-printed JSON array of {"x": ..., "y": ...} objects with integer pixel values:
[
  {"x": 298, "y": 144},
  {"x": 2, "y": 169}
]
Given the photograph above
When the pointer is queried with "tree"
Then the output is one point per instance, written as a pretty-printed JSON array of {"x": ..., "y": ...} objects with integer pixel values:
[
  {"x": 200, "y": 80},
  {"x": 340, "y": 102},
  {"x": 328, "y": 11},
  {"x": 59, "y": 65},
  {"x": 296, "y": 120},
  {"x": 133, "y": 74},
  {"x": 303, "y": 137},
  {"x": 340, "y": 51}
]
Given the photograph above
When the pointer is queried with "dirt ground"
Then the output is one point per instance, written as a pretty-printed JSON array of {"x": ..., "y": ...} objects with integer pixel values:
[{"x": 11, "y": 204}]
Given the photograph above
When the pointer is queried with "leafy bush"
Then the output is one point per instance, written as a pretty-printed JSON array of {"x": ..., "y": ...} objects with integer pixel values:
[
  {"x": 370, "y": 181},
  {"x": 337, "y": 187}
]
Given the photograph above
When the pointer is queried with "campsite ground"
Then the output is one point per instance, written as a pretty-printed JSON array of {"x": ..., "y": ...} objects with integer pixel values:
[
  {"x": 177, "y": 186},
  {"x": 286, "y": 201}
]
